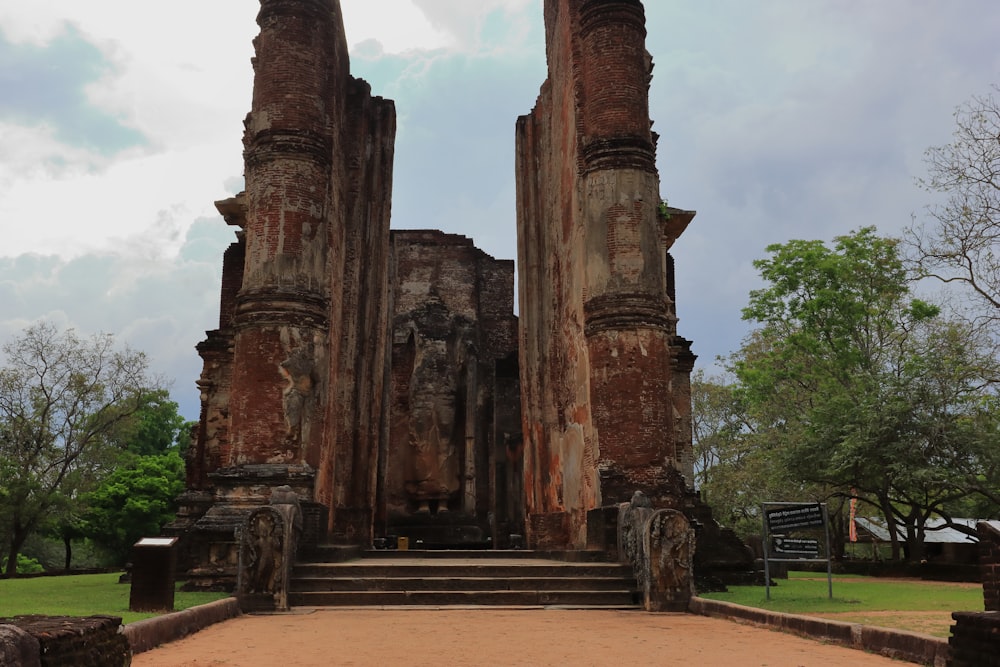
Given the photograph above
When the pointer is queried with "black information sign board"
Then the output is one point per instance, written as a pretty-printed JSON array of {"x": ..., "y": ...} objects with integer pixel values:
[
  {"x": 784, "y": 524},
  {"x": 791, "y": 517},
  {"x": 796, "y": 546}
]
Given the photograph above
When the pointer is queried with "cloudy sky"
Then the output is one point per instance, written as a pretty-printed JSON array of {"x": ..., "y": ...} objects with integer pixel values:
[{"x": 120, "y": 124}]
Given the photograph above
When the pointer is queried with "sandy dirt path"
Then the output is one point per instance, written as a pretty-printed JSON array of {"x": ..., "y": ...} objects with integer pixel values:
[{"x": 457, "y": 637}]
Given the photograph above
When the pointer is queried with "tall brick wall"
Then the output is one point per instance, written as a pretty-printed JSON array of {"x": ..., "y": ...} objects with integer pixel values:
[
  {"x": 336, "y": 346},
  {"x": 361, "y": 315},
  {"x": 281, "y": 313},
  {"x": 448, "y": 478},
  {"x": 560, "y": 442},
  {"x": 293, "y": 379},
  {"x": 598, "y": 340}
]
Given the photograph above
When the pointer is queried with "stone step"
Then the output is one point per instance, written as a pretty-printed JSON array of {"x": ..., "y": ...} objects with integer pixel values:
[
  {"x": 457, "y": 568},
  {"x": 322, "y": 584},
  {"x": 511, "y": 554},
  {"x": 477, "y": 578},
  {"x": 616, "y": 598}
]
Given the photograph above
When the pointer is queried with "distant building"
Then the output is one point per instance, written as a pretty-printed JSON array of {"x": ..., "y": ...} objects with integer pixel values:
[{"x": 942, "y": 542}]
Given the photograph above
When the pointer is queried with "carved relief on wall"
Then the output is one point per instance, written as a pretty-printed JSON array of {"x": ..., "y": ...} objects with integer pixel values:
[
  {"x": 436, "y": 405},
  {"x": 263, "y": 546},
  {"x": 299, "y": 395}
]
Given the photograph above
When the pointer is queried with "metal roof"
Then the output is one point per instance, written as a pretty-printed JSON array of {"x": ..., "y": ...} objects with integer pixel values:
[{"x": 937, "y": 531}]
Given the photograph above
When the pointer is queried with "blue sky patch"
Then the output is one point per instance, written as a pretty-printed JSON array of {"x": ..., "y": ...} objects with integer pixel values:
[{"x": 46, "y": 84}]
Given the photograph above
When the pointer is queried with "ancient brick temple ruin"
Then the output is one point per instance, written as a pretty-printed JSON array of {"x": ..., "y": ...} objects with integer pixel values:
[
  {"x": 383, "y": 375},
  {"x": 605, "y": 394}
]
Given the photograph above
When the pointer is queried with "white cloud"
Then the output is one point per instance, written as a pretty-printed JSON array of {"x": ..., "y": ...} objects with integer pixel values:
[
  {"x": 397, "y": 25},
  {"x": 145, "y": 200},
  {"x": 778, "y": 120},
  {"x": 467, "y": 22}
]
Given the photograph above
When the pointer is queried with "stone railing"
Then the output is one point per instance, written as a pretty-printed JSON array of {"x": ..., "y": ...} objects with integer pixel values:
[
  {"x": 659, "y": 544},
  {"x": 268, "y": 542}
]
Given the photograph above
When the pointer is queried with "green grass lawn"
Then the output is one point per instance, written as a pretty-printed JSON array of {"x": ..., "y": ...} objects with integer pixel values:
[
  {"x": 862, "y": 599},
  {"x": 80, "y": 595},
  {"x": 806, "y": 592}
]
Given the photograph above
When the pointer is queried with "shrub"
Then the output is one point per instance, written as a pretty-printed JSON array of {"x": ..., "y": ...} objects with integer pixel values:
[{"x": 25, "y": 565}]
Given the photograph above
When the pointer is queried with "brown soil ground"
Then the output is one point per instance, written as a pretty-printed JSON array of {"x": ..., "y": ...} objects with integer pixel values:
[{"x": 456, "y": 637}]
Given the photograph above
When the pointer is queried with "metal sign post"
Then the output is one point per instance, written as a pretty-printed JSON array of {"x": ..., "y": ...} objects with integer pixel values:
[{"x": 782, "y": 518}]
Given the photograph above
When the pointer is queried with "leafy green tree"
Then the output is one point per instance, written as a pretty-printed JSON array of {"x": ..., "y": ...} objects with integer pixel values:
[
  {"x": 858, "y": 389},
  {"x": 158, "y": 426},
  {"x": 140, "y": 495},
  {"x": 933, "y": 434},
  {"x": 731, "y": 472},
  {"x": 740, "y": 465},
  {"x": 25, "y": 565},
  {"x": 64, "y": 402},
  {"x": 717, "y": 420},
  {"x": 65, "y": 524},
  {"x": 134, "y": 501}
]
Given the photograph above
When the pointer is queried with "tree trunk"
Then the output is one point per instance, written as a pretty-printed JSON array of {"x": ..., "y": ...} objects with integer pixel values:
[
  {"x": 838, "y": 539},
  {"x": 17, "y": 538},
  {"x": 68, "y": 543},
  {"x": 914, "y": 544},
  {"x": 890, "y": 524},
  {"x": 8, "y": 571}
]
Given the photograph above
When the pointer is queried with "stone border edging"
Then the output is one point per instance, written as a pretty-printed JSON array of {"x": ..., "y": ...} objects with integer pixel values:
[
  {"x": 897, "y": 644},
  {"x": 151, "y": 632}
]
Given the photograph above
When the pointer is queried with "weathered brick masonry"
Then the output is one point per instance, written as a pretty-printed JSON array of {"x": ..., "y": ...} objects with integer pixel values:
[
  {"x": 384, "y": 377},
  {"x": 293, "y": 381},
  {"x": 989, "y": 564},
  {"x": 452, "y": 458},
  {"x": 975, "y": 636},
  {"x": 603, "y": 371},
  {"x": 56, "y": 641}
]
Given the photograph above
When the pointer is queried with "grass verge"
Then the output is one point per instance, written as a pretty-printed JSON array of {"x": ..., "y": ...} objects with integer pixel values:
[
  {"x": 914, "y": 605},
  {"x": 81, "y": 595}
]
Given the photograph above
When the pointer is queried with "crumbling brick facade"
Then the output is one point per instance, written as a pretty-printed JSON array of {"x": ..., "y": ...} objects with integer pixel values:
[
  {"x": 294, "y": 377},
  {"x": 452, "y": 458},
  {"x": 387, "y": 409},
  {"x": 603, "y": 372},
  {"x": 383, "y": 376}
]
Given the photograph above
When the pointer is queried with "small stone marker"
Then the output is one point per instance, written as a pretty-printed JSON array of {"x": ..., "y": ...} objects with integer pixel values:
[{"x": 154, "y": 561}]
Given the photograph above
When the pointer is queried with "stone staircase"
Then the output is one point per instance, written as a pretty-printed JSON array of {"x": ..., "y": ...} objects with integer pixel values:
[{"x": 459, "y": 578}]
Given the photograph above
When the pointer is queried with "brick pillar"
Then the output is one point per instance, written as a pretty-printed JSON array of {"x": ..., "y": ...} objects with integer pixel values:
[
  {"x": 681, "y": 393},
  {"x": 628, "y": 319},
  {"x": 615, "y": 85},
  {"x": 630, "y": 394},
  {"x": 282, "y": 316}
]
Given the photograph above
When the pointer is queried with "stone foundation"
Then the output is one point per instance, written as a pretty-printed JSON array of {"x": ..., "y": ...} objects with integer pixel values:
[
  {"x": 18, "y": 647},
  {"x": 94, "y": 641},
  {"x": 975, "y": 639},
  {"x": 208, "y": 551},
  {"x": 549, "y": 531}
]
